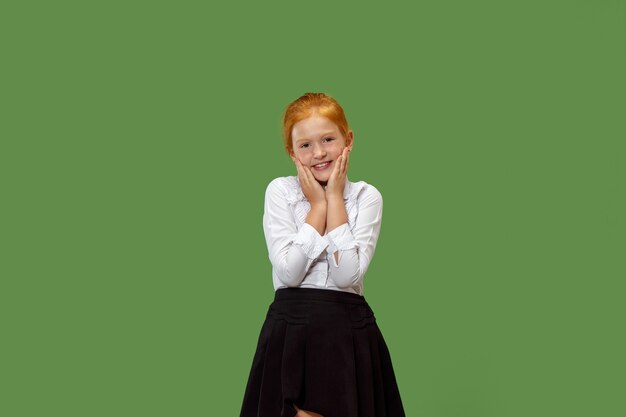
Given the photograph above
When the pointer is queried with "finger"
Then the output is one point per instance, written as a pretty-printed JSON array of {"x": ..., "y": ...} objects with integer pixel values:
[
  {"x": 307, "y": 172},
  {"x": 337, "y": 164},
  {"x": 297, "y": 163},
  {"x": 310, "y": 178},
  {"x": 342, "y": 163},
  {"x": 298, "y": 166},
  {"x": 336, "y": 168},
  {"x": 302, "y": 175}
]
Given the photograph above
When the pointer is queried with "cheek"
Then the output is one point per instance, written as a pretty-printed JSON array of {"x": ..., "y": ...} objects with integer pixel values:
[
  {"x": 303, "y": 156},
  {"x": 338, "y": 149}
]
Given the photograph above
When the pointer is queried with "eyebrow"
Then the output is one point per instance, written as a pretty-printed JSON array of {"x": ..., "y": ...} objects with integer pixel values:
[{"x": 325, "y": 134}]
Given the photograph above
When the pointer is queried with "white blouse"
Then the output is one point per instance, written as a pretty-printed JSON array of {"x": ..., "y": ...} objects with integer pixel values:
[{"x": 301, "y": 257}]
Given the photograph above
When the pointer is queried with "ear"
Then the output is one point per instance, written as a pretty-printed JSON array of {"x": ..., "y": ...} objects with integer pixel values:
[{"x": 350, "y": 139}]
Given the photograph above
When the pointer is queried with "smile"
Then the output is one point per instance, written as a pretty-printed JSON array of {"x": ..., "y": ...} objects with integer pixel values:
[{"x": 322, "y": 166}]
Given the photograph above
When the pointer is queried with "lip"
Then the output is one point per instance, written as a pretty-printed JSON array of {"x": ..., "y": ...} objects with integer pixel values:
[{"x": 322, "y": 169}]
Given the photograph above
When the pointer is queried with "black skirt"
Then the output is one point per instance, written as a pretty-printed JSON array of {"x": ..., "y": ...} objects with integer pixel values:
[{"x": 322, "y": 351}]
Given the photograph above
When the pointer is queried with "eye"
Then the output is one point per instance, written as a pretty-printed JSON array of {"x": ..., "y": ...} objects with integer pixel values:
[
  {"x": 329, "y": 139},
  {"x": 304, "y": 145}
]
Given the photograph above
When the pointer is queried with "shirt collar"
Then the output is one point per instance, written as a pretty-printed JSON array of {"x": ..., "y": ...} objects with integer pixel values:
[{"x": 346, "y": 189}]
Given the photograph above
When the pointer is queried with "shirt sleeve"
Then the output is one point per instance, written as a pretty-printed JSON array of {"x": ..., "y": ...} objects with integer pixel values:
[
  {"x": 291, "y": 251},
  {"x": 356, "y": 247}
]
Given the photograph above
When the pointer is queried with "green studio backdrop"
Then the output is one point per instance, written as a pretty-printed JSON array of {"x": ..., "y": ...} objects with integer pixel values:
[{"x": 137, "y": 139}]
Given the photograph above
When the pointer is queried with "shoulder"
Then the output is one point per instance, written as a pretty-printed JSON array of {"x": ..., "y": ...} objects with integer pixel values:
[
  {"x": 365, "y": 193},
  {"x": 285, "y": 187}
]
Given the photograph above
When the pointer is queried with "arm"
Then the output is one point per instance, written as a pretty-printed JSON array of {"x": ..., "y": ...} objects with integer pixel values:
[
  {"x": 336, "y": 217},
  {"x": 291, "y": 251},
  {"x": 352, "y": 250}
]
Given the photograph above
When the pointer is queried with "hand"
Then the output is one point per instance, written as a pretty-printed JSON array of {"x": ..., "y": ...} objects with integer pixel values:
[
  {"x": 312, "y": 189},
  {"x": 337, "y": 180}
]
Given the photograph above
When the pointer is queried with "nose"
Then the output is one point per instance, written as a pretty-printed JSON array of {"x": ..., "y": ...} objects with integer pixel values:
[{"x": 319, "y": 152}]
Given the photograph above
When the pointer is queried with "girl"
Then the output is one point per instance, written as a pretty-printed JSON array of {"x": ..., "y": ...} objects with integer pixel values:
[{"x": 320, "y": 351}]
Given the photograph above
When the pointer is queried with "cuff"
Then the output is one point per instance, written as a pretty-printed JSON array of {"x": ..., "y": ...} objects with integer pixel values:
[
  {"x": 341, "y": 238},
  {"x": 310, "y": 241}
]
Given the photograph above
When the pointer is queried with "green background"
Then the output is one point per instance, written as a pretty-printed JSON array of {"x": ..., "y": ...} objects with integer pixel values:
[{"x": 137, "y": 139}]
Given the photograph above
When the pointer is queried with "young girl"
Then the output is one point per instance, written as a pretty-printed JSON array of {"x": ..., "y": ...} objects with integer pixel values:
[{"x": 320, "y": 351}]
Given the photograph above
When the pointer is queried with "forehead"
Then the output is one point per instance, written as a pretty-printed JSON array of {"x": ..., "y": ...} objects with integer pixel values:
[{"x": 312, "y": 127}]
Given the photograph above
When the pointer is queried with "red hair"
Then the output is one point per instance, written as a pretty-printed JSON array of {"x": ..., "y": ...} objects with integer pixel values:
[{"x": 308, "y": 105}]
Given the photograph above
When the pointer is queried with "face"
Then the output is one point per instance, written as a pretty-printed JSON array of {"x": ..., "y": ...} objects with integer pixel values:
[{"x": 317, "y": 140}]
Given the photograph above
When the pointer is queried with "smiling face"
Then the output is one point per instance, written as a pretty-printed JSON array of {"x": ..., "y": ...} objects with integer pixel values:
[{"x": 317, "y": 140}]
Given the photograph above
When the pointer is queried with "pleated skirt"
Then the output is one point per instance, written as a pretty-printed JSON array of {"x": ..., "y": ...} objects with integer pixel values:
[{"x": 322, "y": 351}]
